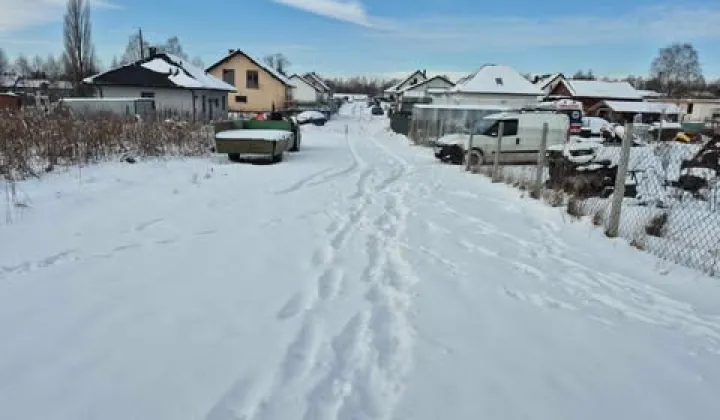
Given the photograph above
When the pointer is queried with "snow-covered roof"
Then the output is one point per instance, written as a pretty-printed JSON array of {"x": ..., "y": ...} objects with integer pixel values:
[
  {"x": 544, "y": 80},
  {"x": 396, "y": 87},
  {"x": 271, "y": 71},
  {"x": 649, "y": 93},
  {"x": 643, "y": 107},
  {"x": 497, "y": 79},
  {"x": 424, "y": 82},
  {"x": 171, "y": 71},
  {"x": 312, "y": 77},
  {"x": 600, "y": 89}
]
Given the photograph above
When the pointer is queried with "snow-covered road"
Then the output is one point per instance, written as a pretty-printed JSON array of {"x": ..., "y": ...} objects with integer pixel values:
[{"x": 359, "y": 279}]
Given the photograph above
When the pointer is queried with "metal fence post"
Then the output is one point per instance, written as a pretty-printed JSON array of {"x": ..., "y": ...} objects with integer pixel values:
[
  {"x": 540, "y": 163},
  {"x": 496, "y": 160},
  {"x": 613, "y": 228},
  {"x": 469, "y": 148}
]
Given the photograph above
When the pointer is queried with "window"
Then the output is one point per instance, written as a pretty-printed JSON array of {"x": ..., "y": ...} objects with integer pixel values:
[
  {"x": 499, "y": 81},
  {"x": 241, "y": 99},
  {"x": 253, "y": 79},
  {"x": 690, "y": 108},
  {"x": 228, "y": 76},
  {"x": 223, "y": 103},
  {"x": 147, "y": 94},
  {"x": 203, "y": 104},
  {"x": 510, "y": 127}
]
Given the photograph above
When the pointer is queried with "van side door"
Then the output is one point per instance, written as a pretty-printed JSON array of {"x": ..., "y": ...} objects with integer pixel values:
[{"x": 511, "y": 151}]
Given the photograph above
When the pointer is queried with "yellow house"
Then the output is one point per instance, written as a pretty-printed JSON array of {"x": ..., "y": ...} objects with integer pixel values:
[{"x": 259, "y": 87}]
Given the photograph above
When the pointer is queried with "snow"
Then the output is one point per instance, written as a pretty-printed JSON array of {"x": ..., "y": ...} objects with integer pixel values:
[
  {"x": 600, "y": 89},
  {"x": 486, "y": 79},
  {"x": 644, "y": 107},
  {"x": 253, "y": 134},
  {"x": 310, "y": 115},
  {"x": 360, "y": 279}
]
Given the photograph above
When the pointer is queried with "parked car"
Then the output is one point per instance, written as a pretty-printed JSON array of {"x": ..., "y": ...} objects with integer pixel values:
[
  {"x": 593, "y": 127},
  {"x": 521, "y": 138}
]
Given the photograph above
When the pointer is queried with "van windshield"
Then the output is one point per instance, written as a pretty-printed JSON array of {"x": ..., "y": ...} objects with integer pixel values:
[{"x": 487, "y": 127}]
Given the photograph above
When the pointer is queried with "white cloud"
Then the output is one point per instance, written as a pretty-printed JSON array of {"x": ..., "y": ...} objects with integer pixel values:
[
  {"x": 457, "y": 33},
  {"x": 344, "y": 10},
  {"x": 17, "y": 15}
]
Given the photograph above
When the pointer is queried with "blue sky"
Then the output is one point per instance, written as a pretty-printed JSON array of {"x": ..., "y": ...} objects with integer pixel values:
[{"x": 390, "y": 37}]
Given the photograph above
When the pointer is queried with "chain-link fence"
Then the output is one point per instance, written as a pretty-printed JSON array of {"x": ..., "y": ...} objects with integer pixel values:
[{"x": 659, "y": 193}]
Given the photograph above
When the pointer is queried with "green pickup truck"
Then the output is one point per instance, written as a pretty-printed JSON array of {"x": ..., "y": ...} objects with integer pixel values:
[{"x": 253, "y": 139}]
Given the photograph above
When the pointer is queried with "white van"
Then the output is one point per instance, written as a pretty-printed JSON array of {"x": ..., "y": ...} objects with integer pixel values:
[{"x": 522, "y": 133}]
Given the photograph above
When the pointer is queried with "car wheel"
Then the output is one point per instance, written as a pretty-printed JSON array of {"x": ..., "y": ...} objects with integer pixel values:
[{"x": 476, "y": 158}]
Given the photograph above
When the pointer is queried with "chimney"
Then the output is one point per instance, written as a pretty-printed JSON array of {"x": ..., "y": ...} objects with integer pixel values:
[
  {"x": 230, "y": 51},
  {"x": 425, "y": 73},
  {"x": 152, "y": 51}
]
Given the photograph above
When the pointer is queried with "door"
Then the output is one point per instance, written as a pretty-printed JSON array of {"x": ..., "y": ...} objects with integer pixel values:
[{"x": 511, "y": 152}]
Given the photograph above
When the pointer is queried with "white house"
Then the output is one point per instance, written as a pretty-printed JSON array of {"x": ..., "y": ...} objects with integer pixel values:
[
  {"x": 414, "y": 78},
  {"x": 320, "y": 85},
  {"x": 424, "y": 88},
  {"x": 178, "y": 87},
  {"x": 492, "y": 85},
  {"x": 697, "y": 109},
  {"x": 305, "y": 91}
]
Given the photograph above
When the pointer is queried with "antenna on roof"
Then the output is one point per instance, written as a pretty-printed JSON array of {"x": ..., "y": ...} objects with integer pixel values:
[{"x": 142, "y": 44}]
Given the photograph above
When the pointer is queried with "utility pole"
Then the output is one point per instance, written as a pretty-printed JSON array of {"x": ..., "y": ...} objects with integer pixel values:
[{"x": 142, "y": 44}]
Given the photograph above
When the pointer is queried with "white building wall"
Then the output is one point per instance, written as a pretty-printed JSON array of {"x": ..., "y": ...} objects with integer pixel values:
[
  {"x": 304, "y": 92},
  {"x": 176, "y": 101},
  {"x": 513, "y": 101}
]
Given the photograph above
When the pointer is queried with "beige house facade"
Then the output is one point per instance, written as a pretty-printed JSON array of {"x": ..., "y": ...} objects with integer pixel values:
[{"x": 259, "y": 87}]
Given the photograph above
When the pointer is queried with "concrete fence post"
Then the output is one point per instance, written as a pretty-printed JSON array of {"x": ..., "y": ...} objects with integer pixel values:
[
  {"x": 613, "y": 227},
  {"x": 537, "y": 188},
  {"x": 498, "y": 150}
]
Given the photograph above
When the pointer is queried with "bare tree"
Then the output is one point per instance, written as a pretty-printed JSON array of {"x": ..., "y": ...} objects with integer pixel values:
[
  {"x": 676, "y": 67},
  {"x": 4, "y": 63},
  {"x": 198, "y": 62},
  {"x": 22, "y": 66},
  {"x": 36, "y": 66},
  {"x": 79, "y": 56},
  {"x": 133, "y": 50},
  {"x": 173, "y": 46},
  {"x": 278, "y": 62},
  {"x": 581, "y": 75},
  {"x": 52, "y": 68}
]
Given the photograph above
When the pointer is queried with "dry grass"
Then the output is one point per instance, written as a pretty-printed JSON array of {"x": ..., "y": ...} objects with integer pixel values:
[
  {"x": 575, "y": 207},
  {"x": 555, "y": 198},
  {"x": 657, "y": 225},
  {"x": 32, "y": 142},
  {"x": 598, "y": 218},
  {"x": 639, "y": 242}
]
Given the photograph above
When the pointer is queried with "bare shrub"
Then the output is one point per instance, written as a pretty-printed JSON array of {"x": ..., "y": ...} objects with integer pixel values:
[
  {"x": 639, "y": 241},
  {"x": 598, "y": 218},
  {"x": 555, "y": 198},
  {"x": 657, "y": 225},
  {"x": 575, "y": 207},
  {"x": 33, "y": 141}
]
